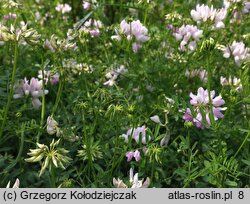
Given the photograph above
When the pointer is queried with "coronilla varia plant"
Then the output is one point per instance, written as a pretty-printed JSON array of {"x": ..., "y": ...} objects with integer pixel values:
[{"x": 93, "y": 91}]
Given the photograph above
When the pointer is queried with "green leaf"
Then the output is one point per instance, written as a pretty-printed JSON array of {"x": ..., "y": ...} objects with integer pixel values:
[
  {"x": 231, "y": 183},
  {"x": 247, "y": 162}
]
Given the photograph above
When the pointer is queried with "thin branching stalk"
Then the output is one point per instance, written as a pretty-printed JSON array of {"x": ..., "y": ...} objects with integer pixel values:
[
  {"x": 242, "y": 144},
  {"x": 18, "y": 158},
  {"x": 211, "y": 114},
  {"x": 52, "y": 177},
  {"x": 59, "y": 92},
  {"x": 10, "y": 94},
  {"x": 43, "y": 105}
]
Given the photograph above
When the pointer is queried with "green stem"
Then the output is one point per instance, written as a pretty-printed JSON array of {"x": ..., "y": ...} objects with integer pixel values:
[
  {"x": 43, "y": 105},
  {"x": 10, "y": 94},
  {"x": 189, "y": 160},
  {"x": 59, "y": 92},
  {"x": 145, "y": 16},
  {"x": 52, "y": 177},
  {"x": 21, "y": 146},
  {"x": 211, "y": 114},
  {"x": 242, "y": 144}
]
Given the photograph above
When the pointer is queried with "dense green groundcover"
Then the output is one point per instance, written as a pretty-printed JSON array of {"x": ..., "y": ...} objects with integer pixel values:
[{"x": 93, "y": 92}]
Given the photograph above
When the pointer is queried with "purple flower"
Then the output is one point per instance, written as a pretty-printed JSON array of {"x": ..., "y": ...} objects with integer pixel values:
[
  {"x": 9, "y": 16},
  {"x": 235, "y": 82},
  {"x": 205, "y": 13},
  {"x": 201, "y": 102},
  {"x": 156, "y": 119},
  {"x": 49, "y": 77},
  {"x": 238, "y": 51},
  {"x": 135, "y": 134},
  {"x": 113, "y": 75},
  {"x": 63, "y": 8},
  {"x": 92, "y": 27},
  {"x": 129, "y": 156},
  {"x": 134, "y": 31},
  {"x": 137, "y": 155},
  {"x": 86, "y": 5},
  {"x": 237, "y": 14},
  {"x": 189, "y": 35},
  {"x": 201, "y": 73},
  {"x": 33, "y": 88}
]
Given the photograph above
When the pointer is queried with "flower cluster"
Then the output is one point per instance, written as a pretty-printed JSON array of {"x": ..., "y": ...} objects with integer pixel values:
[
  {"x": 201, "y": 104},
  {"x": 238, "y": 51},
  {"x": 234, "y": 82},
  {"x": 135, "y": 134},
  {"x": 33, "y": 87},
  {"x": 63, "y": 8},
  {"x": 237, "y": 14},
  {"x": 92, "y": 27},
  {"x": 134, "y": 181},
  {"x": 113, "y": 75},
  {"x": 86, "y": 5},
  {"x": 132, "y": 31},
  {"x": 52, "y": 155},
  {"x": 52, "y": 127},
  {"x": 9, "y": 4},
  {"x": 131, "y": 154},
  {"x": 189, "y": 36},
  {"x": 18, "y": 34},
  {"x": 9, "y": 16},
  {"x": 49, "y": 77},
  {"x": 55, "y": 44},
  {"x": 201, "y": 73},
  {"x": 205, "y": 13}
]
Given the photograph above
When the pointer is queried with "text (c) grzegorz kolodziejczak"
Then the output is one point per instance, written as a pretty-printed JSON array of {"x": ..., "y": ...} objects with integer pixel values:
[{"x": 79, "y": 195}]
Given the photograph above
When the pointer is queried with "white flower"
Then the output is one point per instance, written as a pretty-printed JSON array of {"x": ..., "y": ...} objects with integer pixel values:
[
  {"x": 52, "y": 126},
  {"x": 235, "y": 82},
  {"x": 201, "y": 73},
  {"x": 63, "y": 8},
  {"x": 135, "y": 134},
  {"x": 238, "y": 51},
  {"x": 92, "y": 27},
  {"x": 119, "y": 183},
  {"x": 188, "y": 35},
  {"x": 135, "y": 182},
  {"x": 132, "y": 31},
  {"x": 16, "y": 184},
  {"x": 156, "y": 119},
  {"x": 204, "y": 13},
  {"x": 33, "y": 88},
  {"x": 113, "y": 75}
]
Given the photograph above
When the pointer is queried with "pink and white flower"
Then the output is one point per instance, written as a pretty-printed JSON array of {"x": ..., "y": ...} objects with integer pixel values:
[
  {"x": 136, "y": 133},
  {"x": 49, "y": 77},
  {"x": 200, "y": 102},
  {"x": 203, "y": 13},
  {"x": 133, "y": 180},
  {"x": 92, "y": 27},
  {"x": 32, "y": 88},
  {"x": 134, "y": 31},
  {"x": 113, "y": 75},
  {"x": 63, "y": 8},
  {"x": 238, "y": 51},
  {"x": 234, "y": 82},
  {"x": 86, "y": 5},
  {"x": 189, "y": 35}
]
